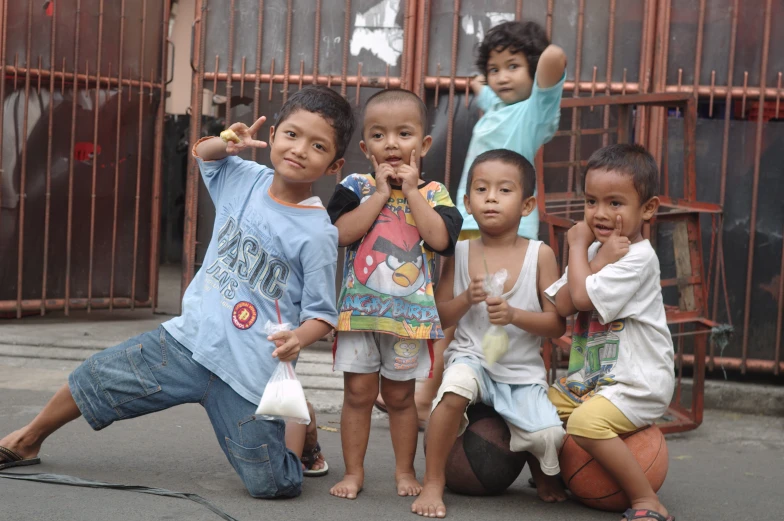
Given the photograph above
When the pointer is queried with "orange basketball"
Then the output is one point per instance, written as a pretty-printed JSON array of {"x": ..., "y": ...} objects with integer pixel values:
[{"x": 589, "y": 482}]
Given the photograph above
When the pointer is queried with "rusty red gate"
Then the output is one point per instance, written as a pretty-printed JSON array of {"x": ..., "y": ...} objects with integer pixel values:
[
  {"x": 82, "y": 117},
  {"x": 712, "y": 120}
]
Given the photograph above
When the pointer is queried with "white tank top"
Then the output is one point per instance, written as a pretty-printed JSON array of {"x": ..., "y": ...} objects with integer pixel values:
[{"x": 523, "y": 363}]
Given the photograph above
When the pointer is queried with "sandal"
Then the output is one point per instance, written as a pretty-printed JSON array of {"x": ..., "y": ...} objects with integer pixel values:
[
  {"x": 632, "y": 514},
  {"x": 309, "y": 458},
  {"x": 10, "y": 459}
]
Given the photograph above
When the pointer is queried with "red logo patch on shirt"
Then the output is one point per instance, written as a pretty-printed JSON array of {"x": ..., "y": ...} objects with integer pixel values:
[{"x": 244, "y": 315}]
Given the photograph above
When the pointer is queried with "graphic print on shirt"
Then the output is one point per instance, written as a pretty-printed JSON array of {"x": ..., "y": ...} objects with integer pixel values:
[
  {"x": 246, "y": 255},
  {"x": 593, "y": 356},
  {"x": 387, "y": 287},
  {"x": 389, "y": 260}
]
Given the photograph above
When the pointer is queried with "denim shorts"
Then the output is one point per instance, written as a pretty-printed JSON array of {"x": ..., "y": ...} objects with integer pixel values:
[{"x": 153, "y": 372}]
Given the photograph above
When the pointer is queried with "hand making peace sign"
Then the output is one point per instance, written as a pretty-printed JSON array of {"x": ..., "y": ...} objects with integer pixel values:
[{"x": 240, "y": 136}]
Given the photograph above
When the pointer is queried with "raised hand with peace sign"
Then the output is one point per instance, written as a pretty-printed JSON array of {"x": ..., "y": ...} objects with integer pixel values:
[
  {"x": 240, "y": 136},
  {"x": 233, "y": 140}
]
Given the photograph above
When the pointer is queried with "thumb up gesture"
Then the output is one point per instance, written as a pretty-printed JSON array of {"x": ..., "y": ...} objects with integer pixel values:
[{"x": 616, "y": 246}]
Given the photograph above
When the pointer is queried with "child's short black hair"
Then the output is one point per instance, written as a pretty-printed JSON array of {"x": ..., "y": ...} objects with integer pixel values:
[
  {"x": 509, "y": 157},
  {"x": 327, "y": 103},
  {"x": 528, "y": 38},
  {"x": 398, "y": 96},
  {"x": 629, "y": 159}
]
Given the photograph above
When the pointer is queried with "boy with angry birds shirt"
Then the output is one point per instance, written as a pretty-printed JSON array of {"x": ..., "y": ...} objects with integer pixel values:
[{"x": 393, "y": 223}]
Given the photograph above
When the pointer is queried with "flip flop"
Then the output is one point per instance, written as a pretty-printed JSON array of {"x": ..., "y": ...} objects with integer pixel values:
[
  {"x": 633, "y": 513},
  {"x": 309, "y": 459},
  {"x": 10, "y": 459}
]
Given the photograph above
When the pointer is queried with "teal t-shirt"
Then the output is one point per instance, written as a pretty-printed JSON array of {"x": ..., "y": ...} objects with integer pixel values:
[
  {"x": 522, "y": 127},
  {"x": 262, "y": 250}
]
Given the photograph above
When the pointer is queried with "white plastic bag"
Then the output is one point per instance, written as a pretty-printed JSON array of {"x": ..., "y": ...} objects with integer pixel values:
[
  {"x": 283, "y": 397},
  {"x": 495, "y": 342}
]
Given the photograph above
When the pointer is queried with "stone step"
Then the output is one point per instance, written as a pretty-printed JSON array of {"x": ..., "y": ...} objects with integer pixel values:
[
  {"x": 313, "y": 370},
  {"x": 309, "y": 358},
  {"x": 46, "y": 353}
]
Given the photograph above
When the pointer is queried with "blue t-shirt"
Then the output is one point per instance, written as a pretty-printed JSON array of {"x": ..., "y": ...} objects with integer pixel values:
[
  {"x": 262, "y": 250},
  {"x": 522, "y": 127}
]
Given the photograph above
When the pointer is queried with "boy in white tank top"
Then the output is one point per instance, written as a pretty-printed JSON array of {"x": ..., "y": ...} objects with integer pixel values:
[{"x": 500, "y": 193}]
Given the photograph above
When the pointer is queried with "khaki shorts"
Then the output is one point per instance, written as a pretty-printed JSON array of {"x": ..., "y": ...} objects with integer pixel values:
[
  {"x": 533, "y": 423},
  {"x": 596, "y": 418}
]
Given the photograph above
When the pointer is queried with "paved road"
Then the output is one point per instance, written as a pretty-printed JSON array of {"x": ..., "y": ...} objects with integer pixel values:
[{"x": 730, "y": 468}]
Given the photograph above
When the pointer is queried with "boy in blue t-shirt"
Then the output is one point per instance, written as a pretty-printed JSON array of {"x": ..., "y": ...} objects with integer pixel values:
[{"x": 272, "y": 246}]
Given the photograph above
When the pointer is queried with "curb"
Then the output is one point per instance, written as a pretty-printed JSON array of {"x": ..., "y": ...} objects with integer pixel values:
[{"x": 325, "y": 388}]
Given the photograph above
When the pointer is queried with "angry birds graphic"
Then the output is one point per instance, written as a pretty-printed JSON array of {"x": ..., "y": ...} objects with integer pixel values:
[{"x": 390, "y": 259}]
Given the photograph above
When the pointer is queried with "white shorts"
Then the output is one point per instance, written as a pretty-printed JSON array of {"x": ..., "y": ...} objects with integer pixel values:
[
  {"x": 395, "y": 358},
  {"x": 532, "y": 420}
]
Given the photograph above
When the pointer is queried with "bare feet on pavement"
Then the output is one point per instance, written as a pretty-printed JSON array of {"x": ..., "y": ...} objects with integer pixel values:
[
  {"x": 550, "y": 489},
  {"x": 349, "y": 487},
  {"x": 407, "y": 485},
  {"x": 430, "y": 502}
]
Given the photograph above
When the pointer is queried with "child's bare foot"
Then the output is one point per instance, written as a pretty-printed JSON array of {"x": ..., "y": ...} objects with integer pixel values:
[
  {"x": 407, "y": 485},
  {"x": 641, "y": 506},
  {"x": 550, "y": 489},
  {"x": 349, "y": 487},
  {"x": 430, "y": 502}
]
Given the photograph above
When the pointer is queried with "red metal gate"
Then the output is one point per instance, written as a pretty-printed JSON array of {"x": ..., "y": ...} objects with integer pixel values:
[
  {"x": 82, "y": 117},
  {"x": 243, "y": 54}
]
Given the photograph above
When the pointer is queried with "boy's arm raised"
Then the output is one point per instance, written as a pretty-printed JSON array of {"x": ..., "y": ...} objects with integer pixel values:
[
  {"x": 563, "y": 302},
  {"x": 548, "y": 323},
  {"x": 478, "y": 83},
  {"x": 238, "y": 137},
  {"x": 551, "y": 66},
  {"x": 580, "y": 237}
]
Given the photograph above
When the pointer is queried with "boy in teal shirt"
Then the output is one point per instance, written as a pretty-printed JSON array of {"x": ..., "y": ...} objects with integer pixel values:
[{"x": 521, "y": 108}]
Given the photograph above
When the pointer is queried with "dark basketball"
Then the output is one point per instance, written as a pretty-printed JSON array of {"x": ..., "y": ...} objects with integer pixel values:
[{"x": 481, "y": 463}]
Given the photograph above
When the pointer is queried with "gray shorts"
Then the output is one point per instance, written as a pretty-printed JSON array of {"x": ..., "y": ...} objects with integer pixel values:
[{"x": 395, "y": 358}]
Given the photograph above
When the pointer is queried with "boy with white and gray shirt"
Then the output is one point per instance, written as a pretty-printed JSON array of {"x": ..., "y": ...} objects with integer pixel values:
[{"x": 500, "y": 191}]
